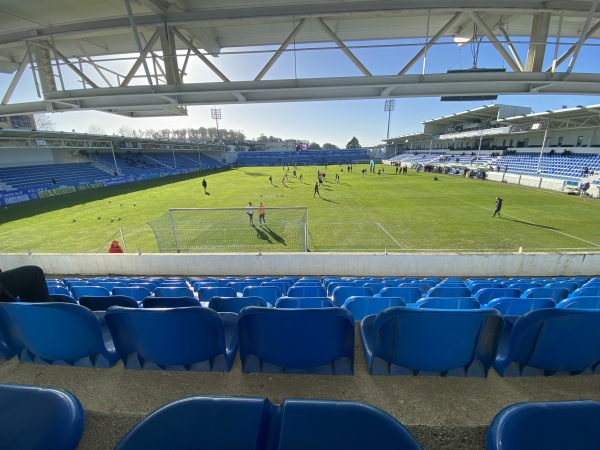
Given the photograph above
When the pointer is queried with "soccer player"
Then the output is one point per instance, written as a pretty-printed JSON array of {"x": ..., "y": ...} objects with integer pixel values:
[
  {"x": 316, "y": 189},
  {"x": 261, "y": 214},
  {"x": 498, "y": 207},
  {"x": 204, "y": 184},
  {"x": 250, "y": 212}
]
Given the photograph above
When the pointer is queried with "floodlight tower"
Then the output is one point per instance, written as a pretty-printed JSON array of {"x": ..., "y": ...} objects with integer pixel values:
[
  {"x": 215, "y": 113},
  {"x": 390, "y": 105}
]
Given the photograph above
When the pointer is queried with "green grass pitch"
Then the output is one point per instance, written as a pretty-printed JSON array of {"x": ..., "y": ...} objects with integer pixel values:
[{"x": 397, "y": 213}]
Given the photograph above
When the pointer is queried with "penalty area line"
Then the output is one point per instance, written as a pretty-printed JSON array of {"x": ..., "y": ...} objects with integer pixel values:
[{"x": 391, "y": 237}]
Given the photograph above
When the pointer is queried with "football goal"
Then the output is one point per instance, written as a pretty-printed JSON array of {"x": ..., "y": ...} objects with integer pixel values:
[{"x": 232, "y": 230}]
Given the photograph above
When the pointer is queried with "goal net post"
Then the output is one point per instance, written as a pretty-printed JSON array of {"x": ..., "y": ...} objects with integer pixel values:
[{"x": 232, "y": 230}]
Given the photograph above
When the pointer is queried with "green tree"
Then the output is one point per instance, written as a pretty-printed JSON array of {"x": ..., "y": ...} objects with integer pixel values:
[
  {"x": 314, "y": 146},
  {"x": 329, "y": 146},
  {"x": 353, "y": 143}
]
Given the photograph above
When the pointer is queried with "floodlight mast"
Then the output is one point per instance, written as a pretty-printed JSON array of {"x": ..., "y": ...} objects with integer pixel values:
[
  {"x": 389, "y": 106},
  {"x": 215, "y": 113}
]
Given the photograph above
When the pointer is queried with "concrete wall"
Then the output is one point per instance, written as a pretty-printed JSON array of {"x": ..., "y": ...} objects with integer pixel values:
[{"x": 317, "y": 264}]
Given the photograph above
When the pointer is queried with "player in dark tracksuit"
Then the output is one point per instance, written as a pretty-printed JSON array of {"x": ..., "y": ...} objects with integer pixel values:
[{"x": 498, "y": 207}]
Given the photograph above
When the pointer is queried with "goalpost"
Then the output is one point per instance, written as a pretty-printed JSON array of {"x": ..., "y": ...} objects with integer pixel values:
[{"x": 225, "y": 230}]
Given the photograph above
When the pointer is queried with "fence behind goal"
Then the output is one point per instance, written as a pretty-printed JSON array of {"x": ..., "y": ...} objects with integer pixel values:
[{"x": 225, "y": 230}]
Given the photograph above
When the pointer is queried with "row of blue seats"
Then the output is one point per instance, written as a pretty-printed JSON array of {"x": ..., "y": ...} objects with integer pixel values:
[
  {"x": 44, "y": 417},
  {"x": 396, "y": 341}
]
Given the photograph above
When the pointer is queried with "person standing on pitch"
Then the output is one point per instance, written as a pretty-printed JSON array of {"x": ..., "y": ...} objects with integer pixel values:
[
  {"x": 204, "y": 184},
  {"x": 316, "y": 189},
  {"x": 261, "y": 214},
  {"x": 250, "y": 212},
  {"x": 498, "y": 207}
]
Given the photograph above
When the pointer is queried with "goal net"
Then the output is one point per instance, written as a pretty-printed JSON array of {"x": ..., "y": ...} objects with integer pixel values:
[{"x": 225, "y": 230}]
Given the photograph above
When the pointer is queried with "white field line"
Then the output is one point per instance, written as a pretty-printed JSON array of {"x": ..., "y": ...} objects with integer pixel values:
[{"x": 391, "y": 237}]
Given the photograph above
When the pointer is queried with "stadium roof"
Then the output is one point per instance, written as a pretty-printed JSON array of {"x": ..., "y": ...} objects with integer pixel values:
[
  {"x": 576, "y": 117},
  {"x": 68, "y": 44},
  {"x": 491, "y": 111}
]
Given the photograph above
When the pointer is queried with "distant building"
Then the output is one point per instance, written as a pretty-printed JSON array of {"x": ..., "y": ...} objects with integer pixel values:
[{"x": 18, "y": 122}]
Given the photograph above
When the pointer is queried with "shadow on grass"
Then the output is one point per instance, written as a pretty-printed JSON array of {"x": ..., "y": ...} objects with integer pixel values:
[
  {"x": 327, "y": 200},
  {"x": 262, "y": 235},
  {"x": 274, "y": 235},
  {"x": 529, "y": 223}
]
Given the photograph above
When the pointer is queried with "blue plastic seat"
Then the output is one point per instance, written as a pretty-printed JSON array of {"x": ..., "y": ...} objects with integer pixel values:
[
  {"x": 147, "y": 285},
  {"x": 334, "y": 284},
  {"x": 252, "y": 422},
  {"x": 169, "y": 302},
  {"x": 411, "y": 341},
  {"x": 198, "y": 284},
  {"x": 361, "y": 307},
  {"x": 318, "y": 341},
  {"x": 448, "y": 303},
  {"x": 235, "y": 304},
  {"x": 376, "y": 287},
  {"x": 342, "y": 293},
  {"x": 269, "y": 293},
  {"x": 586, "y": 291},
  {"x": 79, "y": 291},
  {"x": 515, "y": 306},
  {"x": 570, "y": 285},
  {"x": 59, "y": 290},
  {"x": 102, "y": 303},
  {"x": 307, "y": 291},
  {"x": 195, "y": 338},
  {"x": 410, "y": 294},
  {"x": 488, "y": 294},
  {"x": 476, "y": 287},
  {"x": 62, "y": 298},
  {"x": 546, "y": 425},
  {"x": 304, "y": 302},
  {"x": 138, "y": 293},
  {"x": 521, "y": 285},
  {"x": 74, "y": 338},
  {"x": 175, "y": 291},
  {"x": 239, "y": 285},
  {"x": 206, "y": 293},
  {"x": 448, "y": 291},
  {"x": 424, "y": 286},
  {"x": 551, "y": 342},
  {"x": 556, "y": 294},
  {"x": 582, "y": 302},
  {"x": 110, "y": 284},
  {"x": 34, "y": 417}
]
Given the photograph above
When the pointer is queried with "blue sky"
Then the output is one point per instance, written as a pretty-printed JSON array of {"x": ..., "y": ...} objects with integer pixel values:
[{"x": 324, "y": 121}]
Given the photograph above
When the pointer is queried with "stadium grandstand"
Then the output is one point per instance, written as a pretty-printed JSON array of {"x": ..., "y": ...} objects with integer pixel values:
[{"x": 323, "y": 350}]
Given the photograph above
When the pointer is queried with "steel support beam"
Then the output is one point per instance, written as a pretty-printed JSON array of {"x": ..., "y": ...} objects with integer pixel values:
[
  {"x": 169, "y": 51},
  {"x": 343, "y": 47},
  {"x": 571, "y": 49},
  {"x": 512, "y": 48},
  {"x": 141, "y": 59},
  {"x": 582, "y": 38},
  {"x": 537, "y": 42},
  {"x": 138, "y": 42},
  {"x": 492, "y": 38},
  {"x": 432, "y": 41},
  {"x": 15, "y": 80},
  {"x": 199, "y": 54},
  {"x": 280, "y": 51}
]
